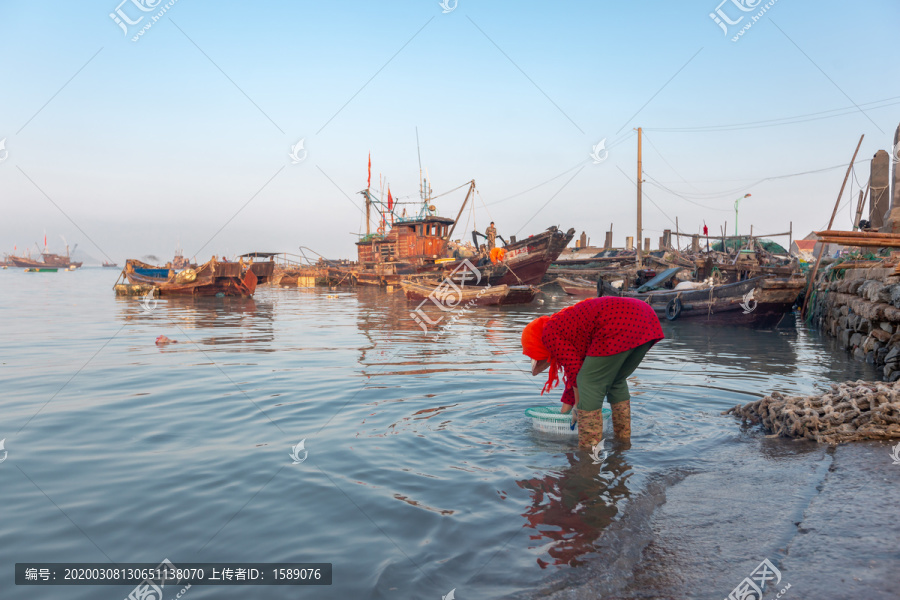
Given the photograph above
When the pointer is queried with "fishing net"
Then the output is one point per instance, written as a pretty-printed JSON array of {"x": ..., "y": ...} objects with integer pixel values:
[
  {"x": 848, "y": 412},
  {"x": 186, "y": 276}
]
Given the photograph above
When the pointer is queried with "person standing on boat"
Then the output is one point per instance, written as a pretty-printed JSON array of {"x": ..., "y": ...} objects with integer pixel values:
[
  {"x": 597, "y": 343},
  {"x": 491, "y": 237}
]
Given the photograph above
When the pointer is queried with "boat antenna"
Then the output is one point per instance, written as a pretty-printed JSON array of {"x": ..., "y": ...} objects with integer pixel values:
[{"x": 419, "y": 152}]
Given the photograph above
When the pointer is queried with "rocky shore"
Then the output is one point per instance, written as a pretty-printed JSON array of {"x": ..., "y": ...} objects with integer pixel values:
[{"x": 862, "y": 310}]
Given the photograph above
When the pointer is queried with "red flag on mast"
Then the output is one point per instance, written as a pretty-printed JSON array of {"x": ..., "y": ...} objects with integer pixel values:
[
  {"x": 369, "y": 180},
  {"x": 390, "y": 199},
  {"x": 45, "y": 240}
]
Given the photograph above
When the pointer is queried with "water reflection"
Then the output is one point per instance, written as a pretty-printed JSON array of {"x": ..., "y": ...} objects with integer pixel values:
[
  {"x": 219, "y": 321},
  {"x": 734, "y": 347},
  {"x": 572, "y": 508}
]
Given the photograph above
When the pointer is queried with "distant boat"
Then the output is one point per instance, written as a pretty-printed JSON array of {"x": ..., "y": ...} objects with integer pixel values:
[
  {"x": 40, "y": 270},
  {"x": 471, "y": 296},
  {"x": 109, "y": 264},
  {"x": 48, "y": 260},
  {"x": 210, "y": 279}
]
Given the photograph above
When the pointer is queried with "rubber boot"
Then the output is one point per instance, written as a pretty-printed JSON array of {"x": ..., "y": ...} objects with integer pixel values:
[
  {"x": 621, "y": 418},
  {"x": 590, "y": 428}
]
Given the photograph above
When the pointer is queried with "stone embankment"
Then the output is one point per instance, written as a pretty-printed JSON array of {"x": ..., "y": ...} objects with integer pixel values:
[{"x": 862, "y": 310}]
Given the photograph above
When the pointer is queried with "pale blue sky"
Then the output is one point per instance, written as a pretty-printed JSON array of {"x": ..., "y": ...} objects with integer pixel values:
[{"x": 163, "y": 140}]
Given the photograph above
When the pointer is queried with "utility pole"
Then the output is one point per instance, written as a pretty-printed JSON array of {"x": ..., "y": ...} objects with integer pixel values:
[{"x": 640, "y": 174}]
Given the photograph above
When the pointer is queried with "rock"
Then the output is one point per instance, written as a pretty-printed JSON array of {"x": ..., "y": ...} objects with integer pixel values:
[
  {"x": 874, "y": 291},
  {"x": 844, "y": 322},
  {"x": 893, "y": 356},
  {"x": 863, "y": 325},
  {"x": 891, "y": 313},
  {"x": 859, "y": 353},
  {"x": 845, "y": 310},
  {"x": 894, "y": 376},
  {"x": 844, "y": 338},
  {"x": 886, "y": 326},
  {"x": 853, "y": 286},
  {"x": 855, "y": 340},
  {"x": 880, "y": 354},
  {"x": 895, "y": 295},
  {"x": 881, "y": 335}
]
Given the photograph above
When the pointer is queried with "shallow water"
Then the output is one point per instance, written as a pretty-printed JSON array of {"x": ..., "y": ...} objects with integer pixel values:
[{"x": 423, "y": 475}]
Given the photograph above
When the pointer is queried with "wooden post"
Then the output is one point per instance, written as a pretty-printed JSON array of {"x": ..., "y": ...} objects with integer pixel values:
[
  {"x": 837, "y": 203},
  {"x": 640, "y": 177},
  {"x": 862, "y": 203}
]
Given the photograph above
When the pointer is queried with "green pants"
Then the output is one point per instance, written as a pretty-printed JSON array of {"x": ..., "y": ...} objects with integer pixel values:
[{"x": 607, "y": 377}]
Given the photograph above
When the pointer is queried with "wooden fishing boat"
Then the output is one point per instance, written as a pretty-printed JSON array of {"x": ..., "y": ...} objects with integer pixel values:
[
  {"x": 407, "y": 247},
  {"x": 47, "y": 260},
  {"x": 452, "y": 296},
  {"x": 213, "y": 278},
  {"x": 524, "y": 262},
  {"x": 138, "y": 272},
  {"x": 577, "y": 286},
  {"x": 262, "y": 264},
  {"x": 756, "y": 302},
  {"x": 109, "y": 264}
]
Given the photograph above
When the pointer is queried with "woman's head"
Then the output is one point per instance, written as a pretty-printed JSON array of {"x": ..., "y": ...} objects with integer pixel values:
[{"x": 533, "y": 347}]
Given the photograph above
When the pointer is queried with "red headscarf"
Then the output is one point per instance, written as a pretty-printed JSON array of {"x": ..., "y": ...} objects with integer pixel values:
[{"x": 533, "y": 347}]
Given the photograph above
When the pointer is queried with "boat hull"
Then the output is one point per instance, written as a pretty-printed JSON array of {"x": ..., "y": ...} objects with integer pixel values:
[
  {"x": 731, "y": 304},
  {"x": 28, "y": 263},
  {"x": 473, "y": 296},
  {"x": 525, "y": 262},
  {"x": 577, "y": 288}
]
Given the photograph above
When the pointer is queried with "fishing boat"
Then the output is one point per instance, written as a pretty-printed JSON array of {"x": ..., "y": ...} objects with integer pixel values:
[
  {"x": 518, "y": 262},
  {"x": 263, "y": 269},
  {"x": 48, "y": 259},
  {"x": 760, "y": 302},
  {"x": 138, "y": 272},
  {"x": 109, "y": 264},
  {"x": 408, "y": 247},
  {"x": 453, "y": 296},
  {"x": 577, "y": 286},
  {"x": 213, "y": 278},
  {"x": 402, "y": 246}
]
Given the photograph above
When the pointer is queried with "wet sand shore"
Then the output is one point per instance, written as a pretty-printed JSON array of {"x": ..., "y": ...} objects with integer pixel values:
[{"x": 826, "y": 518}]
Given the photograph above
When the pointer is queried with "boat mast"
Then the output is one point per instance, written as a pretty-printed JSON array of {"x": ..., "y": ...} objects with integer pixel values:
[
  {"x": 640, "y": 233},
  {"x": 421, "y": 182},
  {"x": 459, "y": 214}
]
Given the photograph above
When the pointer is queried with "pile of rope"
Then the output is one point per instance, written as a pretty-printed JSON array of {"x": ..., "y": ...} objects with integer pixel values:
[{"x": 850, "y": 411}]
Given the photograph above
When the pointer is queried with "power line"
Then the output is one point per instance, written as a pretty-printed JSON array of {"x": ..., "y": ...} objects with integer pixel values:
[
  {"x": 839, "y": 112},
  {"x": 712, "y": 195}
]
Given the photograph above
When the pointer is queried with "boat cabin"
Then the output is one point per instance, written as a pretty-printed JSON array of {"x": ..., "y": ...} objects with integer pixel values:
[{"x": 417, "y": 241}]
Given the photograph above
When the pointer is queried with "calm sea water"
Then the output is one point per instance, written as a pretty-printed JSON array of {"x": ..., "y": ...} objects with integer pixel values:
[{"x": 422, "y": 476}]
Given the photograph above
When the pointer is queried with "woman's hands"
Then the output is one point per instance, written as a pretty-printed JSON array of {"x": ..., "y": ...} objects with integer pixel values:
[{"x": 567, "y": 408}]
